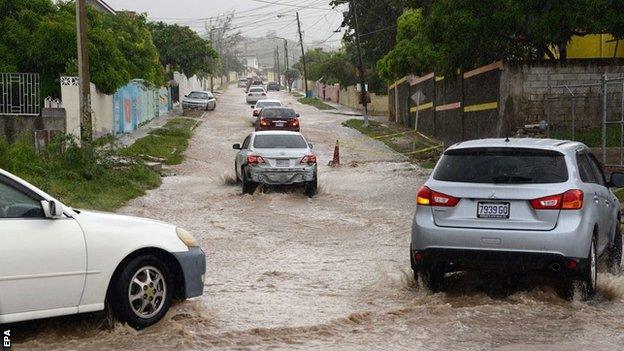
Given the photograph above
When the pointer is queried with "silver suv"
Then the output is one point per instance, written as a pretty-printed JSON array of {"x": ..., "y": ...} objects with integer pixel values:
[{"x": 517, "y": 205}]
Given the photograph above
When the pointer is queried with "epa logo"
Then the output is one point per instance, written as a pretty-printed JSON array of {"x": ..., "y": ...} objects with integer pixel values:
[{"x": 6, "y": 339}]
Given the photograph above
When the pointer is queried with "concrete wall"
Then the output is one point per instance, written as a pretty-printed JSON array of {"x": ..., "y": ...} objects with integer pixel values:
[
  {"x": 122, "y": 112},
  {"x": 552, "y": 90},
  {"x": 349, "y": 97},
  {"x": 193, "y": 83}
]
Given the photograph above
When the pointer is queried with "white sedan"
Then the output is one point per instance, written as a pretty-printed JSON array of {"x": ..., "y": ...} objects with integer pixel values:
[{"x": 57, "y": 261}]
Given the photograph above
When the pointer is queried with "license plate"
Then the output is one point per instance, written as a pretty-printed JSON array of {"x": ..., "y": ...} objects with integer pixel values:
[
  {"x": 282, "y": 163},
  {"x": 493, "y": 209},
  {"x": 279, "y": 124}
]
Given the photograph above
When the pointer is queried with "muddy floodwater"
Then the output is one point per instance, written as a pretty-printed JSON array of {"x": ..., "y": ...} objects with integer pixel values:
[{"x": 329, "y": 273}]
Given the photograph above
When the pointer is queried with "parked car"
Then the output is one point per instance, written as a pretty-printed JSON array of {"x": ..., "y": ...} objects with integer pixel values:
[
  {"x": 199, "y": 100},
  {"x": 260, "y": 105},
  {"x": 255, "y": 93},
  {"x": 55, "y": 260},
  {"x": 276, "y": 158},
  {"x": 273, "y": 86},
  {"x": 517, "y": 205},
  {"x": 278, "y": 118},
  {"x": 242, "y": 83}
]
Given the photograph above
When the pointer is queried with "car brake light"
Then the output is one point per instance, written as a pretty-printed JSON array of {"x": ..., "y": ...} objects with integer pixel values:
[
  {"x": 570, "y": 200},
  {"x": 428, "y": 197},
  {"x": 294, "y": 122},
  {"x": 254, "y": 160},
  {"x": 264, "y": 122},
  {"x": 424, "y": 196},
  {"x": 309, "y": 159}
]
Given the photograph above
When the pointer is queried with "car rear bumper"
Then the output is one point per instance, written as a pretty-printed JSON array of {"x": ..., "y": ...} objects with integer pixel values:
[
  {"x": 570, "y": 238},
  {"x": 194, "y": 106},
  {"x": 193, "y": 264},
  {"x": 290, "y": 129},
  {"x": 451, "y": 260},
  {"x": 282, "y": 176}
]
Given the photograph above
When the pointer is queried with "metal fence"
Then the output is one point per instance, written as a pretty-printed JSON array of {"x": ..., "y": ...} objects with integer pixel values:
[
  {"x": 19, "y": 94},
  {"x": 592, "y": 113}
]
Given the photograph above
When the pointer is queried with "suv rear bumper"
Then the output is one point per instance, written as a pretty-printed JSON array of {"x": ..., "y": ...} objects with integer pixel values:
[
  {"x": 451, "y": 260},
  {"x": 570, "y": 238}
]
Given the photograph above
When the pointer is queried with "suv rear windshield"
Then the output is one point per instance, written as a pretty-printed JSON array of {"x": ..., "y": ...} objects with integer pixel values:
[
  {"x": 280, "y": 142},
  {"x": 502, "y": 165},
  {"x": 278, "y": 113},
  {"x": 256, "y": 90}
]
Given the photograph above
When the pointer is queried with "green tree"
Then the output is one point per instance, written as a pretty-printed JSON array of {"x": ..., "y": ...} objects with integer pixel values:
[
  {"x": 39, "y": 36},
  {"x": 183, "y": 49},
  {"x": 413, "y": 52}
]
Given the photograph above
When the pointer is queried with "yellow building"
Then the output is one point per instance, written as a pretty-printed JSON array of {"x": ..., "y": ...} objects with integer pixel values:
[{"x": 595, "y": 46}]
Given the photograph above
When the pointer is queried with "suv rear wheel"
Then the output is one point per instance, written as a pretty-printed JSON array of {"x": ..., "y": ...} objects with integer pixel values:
[
  {"x": 587, "y": 279},
  {"x": 433, "y": 278},
  {"x": 615, "y": 251}
]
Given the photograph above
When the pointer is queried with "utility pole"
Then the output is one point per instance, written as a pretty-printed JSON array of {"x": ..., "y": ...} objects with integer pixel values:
[
  {"x": 211, "y": 59},
  {"x": 279, "y": 79},
  {"x": 360, "y": 67},
  {"x": 305, "y": 72},
  {"x": 286, "y": 54},
  {"x": 86, "y": 123}
]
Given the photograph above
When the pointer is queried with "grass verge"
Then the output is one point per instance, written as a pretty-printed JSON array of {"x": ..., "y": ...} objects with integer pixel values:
[
  {"x": 316, "y": 103},
  {"x": 296, "y": 94},
  {"x": 95, "y": 177},
  {"x": 403, "y": 144},
  {"x": 168, "y": 142}
]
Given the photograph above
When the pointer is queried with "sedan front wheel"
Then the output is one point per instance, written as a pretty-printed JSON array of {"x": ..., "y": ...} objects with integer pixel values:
[{"x": 143, "y": 292}]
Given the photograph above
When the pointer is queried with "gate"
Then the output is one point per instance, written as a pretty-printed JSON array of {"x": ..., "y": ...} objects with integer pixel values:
[
  {"x": 19, "y": 94},
  {"x": 612, "y": 131}
]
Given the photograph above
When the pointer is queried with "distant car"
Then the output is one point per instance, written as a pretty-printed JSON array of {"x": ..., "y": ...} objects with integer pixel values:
[
  {"x": 260, "y": 105},
  {"x": 273, "y": 86},
  {"x": 242, "y": 83},
  {"x": 276, "y": 158},
  {"x": 199, "y": 100},
  {"x": 518, "y": 205},
  {"x": 57, "y": 261},
  {"x": 278, "y": 118},
  {"x": 255, "y": 93}
]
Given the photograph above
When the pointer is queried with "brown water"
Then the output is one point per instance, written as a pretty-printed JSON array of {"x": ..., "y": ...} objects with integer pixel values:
[{"x": 332, "y": 272}]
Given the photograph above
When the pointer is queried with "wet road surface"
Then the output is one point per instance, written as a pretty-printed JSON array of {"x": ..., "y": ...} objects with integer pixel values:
[{"x": 332, "y": 272}]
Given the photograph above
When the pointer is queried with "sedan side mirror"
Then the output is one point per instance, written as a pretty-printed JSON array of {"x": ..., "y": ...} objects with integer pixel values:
[
  {"x": 52, "y": 209},
  {"x": 617, "y": 180},
  {"x": 256, "y": 113},
  {"x": 297, "y": 115},
  {"x": 252, "y": 107},
  {"x": 186, "y": 95},
  {"x": 237, "y": 147},
  {"x": 311, "y": 146}
]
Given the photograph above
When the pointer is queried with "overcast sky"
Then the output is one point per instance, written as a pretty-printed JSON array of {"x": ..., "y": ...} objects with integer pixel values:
[{"x": 253, "y": 17}]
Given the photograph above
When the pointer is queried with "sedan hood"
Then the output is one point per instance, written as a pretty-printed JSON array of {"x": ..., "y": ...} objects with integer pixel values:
[
  {"x": 95, "y": 220},
  {"x": 197, "y": 101}
]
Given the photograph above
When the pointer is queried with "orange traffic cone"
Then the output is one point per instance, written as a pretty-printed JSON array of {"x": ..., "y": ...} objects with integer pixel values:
[{"x": 336, "y": 160}]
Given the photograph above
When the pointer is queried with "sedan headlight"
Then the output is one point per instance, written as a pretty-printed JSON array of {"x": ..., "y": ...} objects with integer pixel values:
[{"x": 187, "y": 238}]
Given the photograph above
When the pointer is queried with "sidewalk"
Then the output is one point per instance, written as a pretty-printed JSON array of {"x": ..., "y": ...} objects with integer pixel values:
[{"x": 130, "y": 138}]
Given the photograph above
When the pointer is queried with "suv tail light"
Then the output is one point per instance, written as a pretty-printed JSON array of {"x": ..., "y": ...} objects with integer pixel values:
[
  {"x": 309, "y": 159},
  {"x": 254, "y": 160},
  {"x": 428, "y": 197},
  {"x": 570, "y": 200}
]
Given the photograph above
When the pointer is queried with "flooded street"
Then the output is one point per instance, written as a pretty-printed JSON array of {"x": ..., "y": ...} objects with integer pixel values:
[{"x": 331, "y": 272}]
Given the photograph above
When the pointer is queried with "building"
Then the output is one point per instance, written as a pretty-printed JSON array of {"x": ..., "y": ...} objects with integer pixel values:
[
  {"x": 102, "y": 6},
  {"x": 595, "y": 46}
]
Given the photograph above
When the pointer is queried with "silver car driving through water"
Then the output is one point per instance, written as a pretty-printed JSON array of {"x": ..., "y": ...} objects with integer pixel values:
[
  {"x": 517, "y": 205},
  {"x": 276, "y": 158}
]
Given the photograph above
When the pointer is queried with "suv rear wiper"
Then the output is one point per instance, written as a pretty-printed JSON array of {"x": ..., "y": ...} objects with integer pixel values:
[{"x": 511, "y": 179}]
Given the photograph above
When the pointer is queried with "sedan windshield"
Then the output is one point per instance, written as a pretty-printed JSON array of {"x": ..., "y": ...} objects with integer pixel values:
[
  {"x": 502, "y": 165},
  {"x": 274, "y": 113},
  {"x": 280, "y": 142},
  {"x": 198, "y": 95}
]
